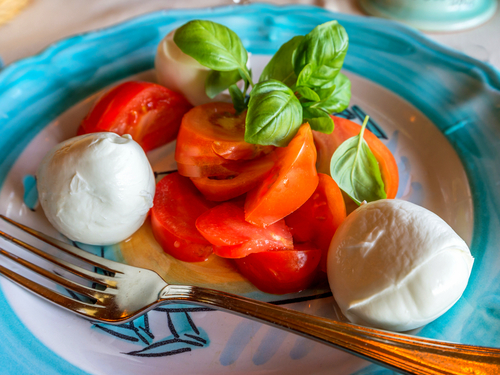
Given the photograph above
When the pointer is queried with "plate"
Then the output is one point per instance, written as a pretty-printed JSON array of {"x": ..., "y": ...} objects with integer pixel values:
[
  {"x": 440, "y": 113},
  {"x": 447, "y": 15}
]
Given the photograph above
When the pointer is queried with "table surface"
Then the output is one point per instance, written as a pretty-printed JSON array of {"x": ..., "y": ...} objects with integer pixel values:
[{"x": 43, "y": 22}]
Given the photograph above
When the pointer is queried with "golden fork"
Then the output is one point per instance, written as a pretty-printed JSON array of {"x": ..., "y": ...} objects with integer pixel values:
[{"x": 125, "y": 292}]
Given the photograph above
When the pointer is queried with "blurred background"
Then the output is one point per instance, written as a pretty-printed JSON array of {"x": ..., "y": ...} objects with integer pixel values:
[{"x": 28, "y": 26}]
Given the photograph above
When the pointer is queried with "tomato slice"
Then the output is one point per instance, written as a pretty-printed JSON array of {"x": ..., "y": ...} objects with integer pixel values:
[
  {"x": 245, "y": 177},
  {"x": 317, "y": 220},
  {"x": 150, "y": 113},
  {"x": 213, "y": 134},
  {"x": 326, "y": 144},
  {"x": 288, "y": 185},
  {"x": 177, "y": 204},
  {"x": 224, "y": 226},
  {"x": 281, "y": 272},
  {"x": 214, "y": 171}
]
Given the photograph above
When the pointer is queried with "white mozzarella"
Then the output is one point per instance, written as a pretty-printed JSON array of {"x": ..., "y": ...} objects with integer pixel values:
[
  {"x": 181, "y": 73},
  {"x": 396, "y": 266},
  {"x": 96, "y": 188}
]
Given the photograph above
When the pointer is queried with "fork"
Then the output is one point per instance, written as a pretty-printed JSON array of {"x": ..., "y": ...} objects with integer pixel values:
[{"x": 126, "y": 292}]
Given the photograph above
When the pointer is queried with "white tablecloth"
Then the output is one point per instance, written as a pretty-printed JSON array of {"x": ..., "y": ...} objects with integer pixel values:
[{"x": 46, "y": 21}]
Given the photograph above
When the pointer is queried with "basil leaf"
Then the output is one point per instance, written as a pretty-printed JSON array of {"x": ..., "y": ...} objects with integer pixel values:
[
  {"x": 324, "y": 50},
  {"x": 212, "y": 45},
  {"x": 274, "y": 114},
  {"x": 336, "y": 98},
  {"x": 305, "y": 75},
  {"x": 356, "y": 171},
  {"x": 217, "y": 82},
  {"x": 238, "y": 99},
  {"x": 318, "y": 119},
  {"x": 307, "y": 93},
  {"x": 280, "y": 67},
  {"x": 326, "y": 93}
]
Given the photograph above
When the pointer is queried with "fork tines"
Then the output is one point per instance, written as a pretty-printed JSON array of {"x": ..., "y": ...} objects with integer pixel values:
[{"x": 75, "y": 296}]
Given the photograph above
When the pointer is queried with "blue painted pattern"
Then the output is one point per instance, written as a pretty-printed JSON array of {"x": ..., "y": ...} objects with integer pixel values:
[{"x": 184, "y": 335}]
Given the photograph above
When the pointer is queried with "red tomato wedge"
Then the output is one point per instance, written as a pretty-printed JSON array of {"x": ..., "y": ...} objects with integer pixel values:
[
  {"x": 150, "y": 113},
  {"x": 243, "y": 179},
  {"x": 212, "y": 134},
  {"x": 326, "y": 144},
  {"x": 177, "y": 205},
  {"x": 281, "y": 272},
  {"x": 317, "y": 220},
  {"x": 288, "y": 185},
  {"x": 224, "y": 226}
]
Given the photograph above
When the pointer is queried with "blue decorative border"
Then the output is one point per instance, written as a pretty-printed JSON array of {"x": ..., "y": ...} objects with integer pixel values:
[{"x": 459, "y": 94}]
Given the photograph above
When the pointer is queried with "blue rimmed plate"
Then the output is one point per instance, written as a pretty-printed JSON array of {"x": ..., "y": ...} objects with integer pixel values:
[{"x": 439, "y": 112}]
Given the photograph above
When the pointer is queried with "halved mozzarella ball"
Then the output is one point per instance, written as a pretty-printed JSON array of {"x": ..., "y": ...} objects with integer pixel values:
[
  {"x": 397, "y": 266},
  {"x": 181, "y": 73}
]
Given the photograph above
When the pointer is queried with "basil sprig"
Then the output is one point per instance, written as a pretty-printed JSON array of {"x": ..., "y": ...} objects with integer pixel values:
[
  {"x": 218, "y": 81},
  {"x": 355, "y": 169},
  {"x": 302, "y": 82},
  {"x": 218, "y": 48},
  {"x": 320, "y": 55},
  {"x": 278, "y": 117},
  {"x": 280, "y": 67},
  {"x": 310, "y": 65}
]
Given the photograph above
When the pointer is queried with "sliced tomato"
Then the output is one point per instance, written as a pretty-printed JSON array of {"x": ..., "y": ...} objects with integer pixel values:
[
  {"x": 326, "y": 144},
  {"x": 245, "y": 177},
  {"x": 177, "y": 204},
  {"x": 317, "y": 220},
  {"x": 224, "y": 226},
  {"x": 281, "y": 272},
  {"x": 288, "y": 185},
  {"x": 150, "y": 113},
  {"x": 221, "y": 171},
  {"x": 213, "y": 134}
]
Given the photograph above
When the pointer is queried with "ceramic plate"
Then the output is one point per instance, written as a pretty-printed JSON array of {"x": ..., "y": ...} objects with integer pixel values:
[{"x": 438, "y": 112}]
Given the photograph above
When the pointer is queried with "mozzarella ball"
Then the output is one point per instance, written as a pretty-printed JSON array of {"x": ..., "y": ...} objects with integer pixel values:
[
  {"x": 96, "y": 188},
  {"x": 396, "y": 266},
  {"x": 181, "y": 73}
]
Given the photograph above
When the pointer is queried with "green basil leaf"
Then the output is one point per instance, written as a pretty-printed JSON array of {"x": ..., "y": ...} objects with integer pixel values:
[
  {"x": 336, "y": 98},
  {"x": 307, "y": 93},
  {"x": 318, "y": 119},
  {"x": 280, "y": 67},
  {"x": 355, "y": 169},
  {"x": 217, "y": 82},
  {"x": 305, "y": 75},
  {"x": 321, "y": 124},
  {"x": 274, "y": 114},
  {"x": 238, "y": 98},
  {"x": 212, "y": 45},
  {"x": 324, "y": 50},
  {"x": 326, "y": 93}
]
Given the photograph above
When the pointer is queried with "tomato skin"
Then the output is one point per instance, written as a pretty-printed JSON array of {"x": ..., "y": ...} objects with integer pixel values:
[
  {"x": 326, "y": 144},
  {"x": 288, "y": 185},
  {"x": 281, "y": 272},
  {"x": 177, "y": 204},
  {"x": 224, "y": 226},
  {"x": 226, "y": 170},
  {"x": 150, "y": 113},
  {"x": 245, "y": 177},
  {"x": 212, "y": 134},
  {"x": 317, "y": 220},
  {"x": 179, "y": 248}
]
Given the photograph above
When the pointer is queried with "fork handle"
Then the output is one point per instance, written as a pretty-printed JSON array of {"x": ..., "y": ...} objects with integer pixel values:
[{"x": 403, "y": 353}]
